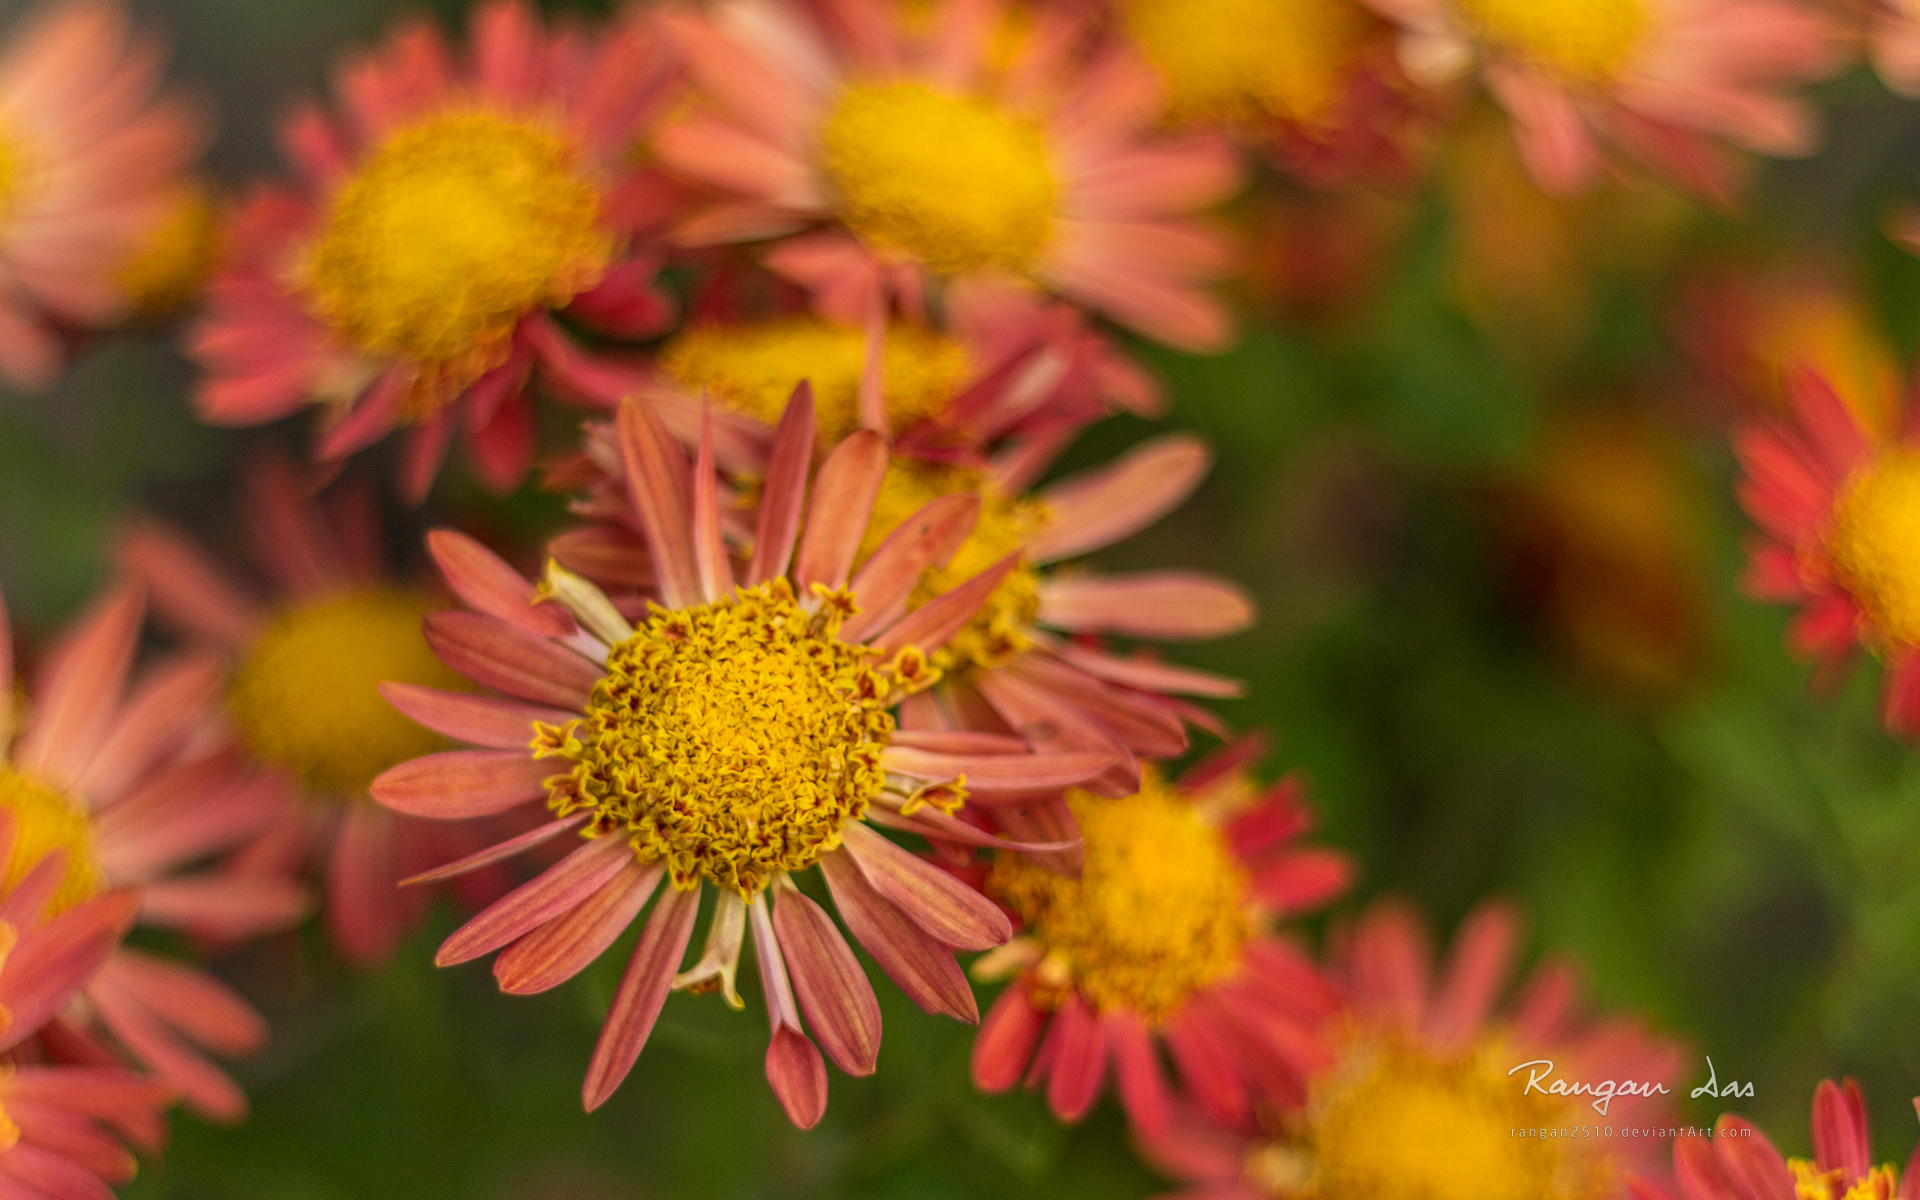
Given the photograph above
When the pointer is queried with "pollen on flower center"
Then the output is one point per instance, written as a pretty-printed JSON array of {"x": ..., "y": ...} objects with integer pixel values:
[
  {"x": 451, "y": 231},
  {"x": 1250, "y": 58},
  {"x": 46, "y": 820},
  {"x": 733, "y": 739},
  {"x": 306, "y": 698},
  {"x": 1582, "y": 40},
  {"x": 753, "y": 368},
  {"x": 1811, "y": 1183},
  {"x": 952, "y": 180},
  {"x": 999, "y": 630},
  {"x": 1452, "y": 1119},
  {"x": 1159, "y": 911},
  {"x": 1875, "y": 543}
]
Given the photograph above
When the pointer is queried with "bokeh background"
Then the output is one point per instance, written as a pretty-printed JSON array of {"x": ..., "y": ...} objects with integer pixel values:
[{"x": 1472, "y": 460}]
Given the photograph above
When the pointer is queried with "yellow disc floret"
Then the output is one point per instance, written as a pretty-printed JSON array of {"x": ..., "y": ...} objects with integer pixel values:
[
  {"x": 173, "y": 260},
  {"x": 45, "y": 820},
  {"x": 1392, "y": 1121},
  {"x": 754, "y": 368},
  {"x": 999, "y": 630},
  {"x": 1247, "y": 59},
  {"x": 1811, "y": 1183},
  {"x": 953, "y": 181},
  {"x": 1159, "y": 911},
  {"x": 451, "y": 231},
  {"x": 1875, "y": 543},
  {"x": 307, "y": 697},
  {"x": 1579, "y": 40},
  {"x": 733, "y": 739}
]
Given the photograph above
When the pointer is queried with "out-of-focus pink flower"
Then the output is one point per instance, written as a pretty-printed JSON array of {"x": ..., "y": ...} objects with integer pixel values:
[
  {"x": 122, "y": 781},
  {"x": 306, "y": 656},
  {"x": 440, "y": 218},
  {"x": 89, "y": 157},
  {"x": 881, "y": 154},
  {"x": 1666, "y": 81}
]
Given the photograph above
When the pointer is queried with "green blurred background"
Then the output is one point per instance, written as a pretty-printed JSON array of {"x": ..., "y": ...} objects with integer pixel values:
[{"x": 1486, "y": 509}]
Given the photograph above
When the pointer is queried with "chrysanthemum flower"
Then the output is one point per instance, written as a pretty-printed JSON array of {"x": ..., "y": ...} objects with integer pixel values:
[
  {"x": 88, "y": 157},
  {"x": 741, "y": 733},
  {"x": 908, "y": 151},
  {"x": 1165, "y": 938},
  {"x": 115, "y": 779},
  {"x": 440, "y": 220},
  {"x": 52, "y": 1140},
  {"x": 1838, "y": 510},
  {"x": 1664, "y": 80},
  {"x": 306, "y": 658},
  {"x": 1739, "y": 1163},
  {"x": 1418, "y": 1101}
]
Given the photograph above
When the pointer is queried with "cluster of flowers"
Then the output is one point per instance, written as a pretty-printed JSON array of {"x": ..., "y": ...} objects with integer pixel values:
[{"x": 815, "y": 598}]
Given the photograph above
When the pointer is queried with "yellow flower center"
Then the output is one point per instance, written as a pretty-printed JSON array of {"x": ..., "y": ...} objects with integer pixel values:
[
  {"x": 1244, "y": 59},
  {"x": 753, "y": 369},
  {"x": 46, "y": 820},
  {"x": 1159, "y": 911},
  {"x": 451, "y": 231},
  {"x": 950, "y": 180},
  {"x": 999, "y": 630},
  {"x": 306, "y": 698},
  {"x": 733, "y": 739},
  {"x": 1578, "y": 40},
  {"x": 173, "y": 260},
  {"x": 1875, "y": 543},
  {"x": 1811, "y": 1183},
  {"x": 1391, "y": 1121}
]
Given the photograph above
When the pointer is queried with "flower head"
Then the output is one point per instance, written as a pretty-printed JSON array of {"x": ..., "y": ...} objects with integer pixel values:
[
  {"x": 1666, "y": 81},
  {"x": 739, "y": 733},
  {"x": 1835, "y": 501},
  {"x": 441, "y": 218},
  {"x": 1164, "y": 938},
  {"x": 89, "y": 158},
  {"x": 305, "y": 657},
  {"x": 1435, "y": 1062},
  {"x": 901, "y": 152},
  {"x": 121, "y": 789},
  {"x": 1739, "y": 1163}
]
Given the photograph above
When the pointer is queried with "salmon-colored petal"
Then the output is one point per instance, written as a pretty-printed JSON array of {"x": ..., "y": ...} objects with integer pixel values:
[
  {"x": 286, "y": 530},
  {"x": 191, "y": 1001},
  {"x": 478, "y": 720},
  {"x": 784, "y": 495},
  {"x": 187, "y": 590},
  {"x": 507, "y": 658},
  {"x": 81, "y": 686},
  {"x": 1148, "y": 674},
  {"x": 164, "y": 709},
  {"x": 794, "y": 1069},
  {"x": 225, "y": 907},
  {"x": 643, "y": 989},
  {"x": 928, "y": 538},
  {"x": 1149, "y": 725},
  {"x": 1101, "y": 507},
  {"x": 931, "y": 898},
  {"x": 1142, "y": 1085},
  {"x": 1079, "y": 1059},
  {"x": 362, "y": 885},
  {"x": 500, "y": 851},
  {"x": 31, "y": 1173},
  {"x": 484, "y": 580},
  {"x": 1390, "y": 965},
  {"x": 1164, "y": 605},
  {"x": 458, "y": 784},
  {"x": 958, "y": 741},
  {"x": 43, "y": 970},
  {"x": 568, "y": 944},
  {"x": 833, "y": 990},
  {"x": 1748, "y": 1158},
  {"x": 553, "y": 892},
  {"x": 613, "y": 558},
  {"x": 1837, "y": 1144},
  {"x": 1047, "y": 722},
  {"x": 1208, "y": 1068},
  {"x": 709, "y": 549},
  {"x": 842, "y": 507},
  {"x": 1476, "y": 971},
  {"x": 657, "y": 485},
  {"x": 933, "y": 623},
  {"x": 184, "y": 814},
  {"x": 922, "y": 967},
  {"x": 207, "y": 1089},
  {"x": 930, "y": 822},
  {"x": 998, "y": 772},
  {"x": 1005, "y": 1043}
]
